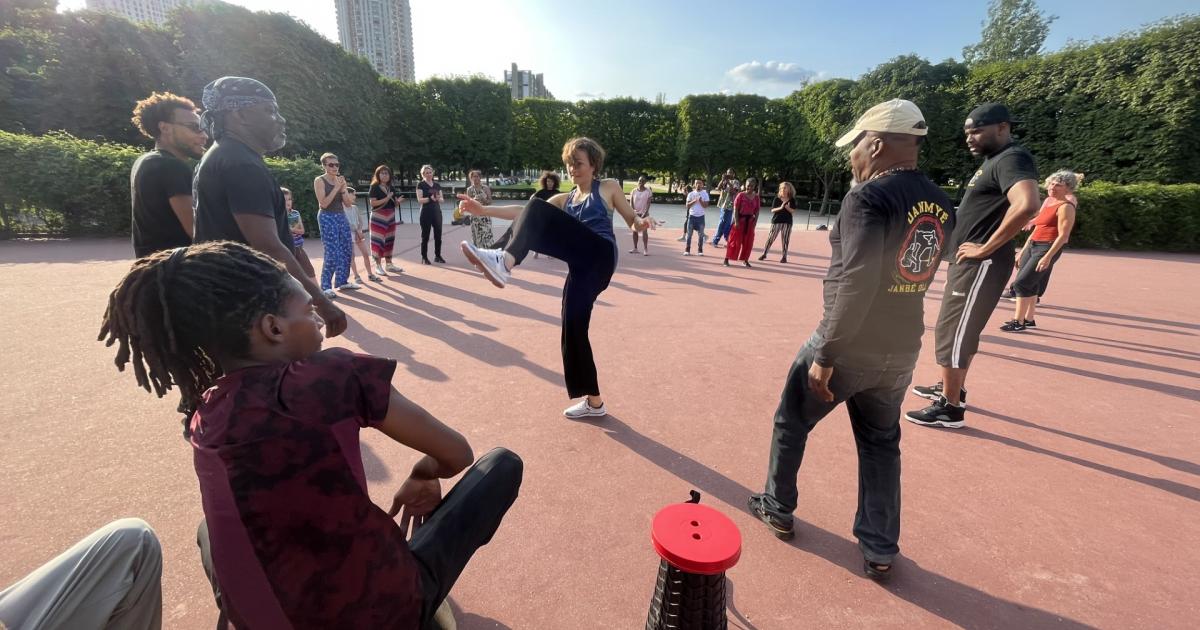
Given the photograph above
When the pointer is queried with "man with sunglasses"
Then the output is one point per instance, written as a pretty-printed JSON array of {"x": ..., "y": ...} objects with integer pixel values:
[
  {"x": 236, "y": 196},
  {"x": 160, "y": 182}
]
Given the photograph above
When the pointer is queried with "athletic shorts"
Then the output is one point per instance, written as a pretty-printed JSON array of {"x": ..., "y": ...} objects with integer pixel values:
[
  {"x": 972, "y": 291},
  {"x": 1030, "y": 282}
]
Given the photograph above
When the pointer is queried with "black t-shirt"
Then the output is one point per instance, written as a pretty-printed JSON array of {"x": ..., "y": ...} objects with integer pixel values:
[
  {"x": 985, "y": 202},
  {"x": 887, "y": 242},
  {"x": 233, "y": 179},
  {"x": 428, "y": 191},
  {"x": 784, "y": 216},
  {"x": 155, "y": 178},
  {"x": 379, "y": 191}
]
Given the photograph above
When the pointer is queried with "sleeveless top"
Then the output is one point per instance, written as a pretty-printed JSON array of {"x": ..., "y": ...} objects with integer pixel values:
[
  {"x": 592, "y": 212},
  {"x": 1045, "y": 226},
  {"x": 336, "y": 204}
]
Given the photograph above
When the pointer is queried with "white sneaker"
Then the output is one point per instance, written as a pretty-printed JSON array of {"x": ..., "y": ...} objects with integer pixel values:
[
  {"x": 330, "y": 293},
  {"x": 393, "y": 268},
  {"x": 687, "y": 253},
  {"x": 379, "y": 270},
  {"x": 350, "y": 286},
  {"x": 582, "y": 409},
  {"x": 489, "y": 261}
]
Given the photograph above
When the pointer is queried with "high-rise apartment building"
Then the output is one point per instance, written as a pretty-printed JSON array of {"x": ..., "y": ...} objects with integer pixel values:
[
  {"x": 525, "y": 84},
  {"x": 155, "y": 11},
  {"x": 381, "y": 32}
]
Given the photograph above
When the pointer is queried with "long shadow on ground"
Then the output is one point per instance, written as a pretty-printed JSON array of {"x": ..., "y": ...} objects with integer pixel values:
[{"x": 957, "y": 603}]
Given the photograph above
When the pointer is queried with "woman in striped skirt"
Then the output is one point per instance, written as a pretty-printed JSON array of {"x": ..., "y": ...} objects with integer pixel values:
[{"x": 384, "y": 217}]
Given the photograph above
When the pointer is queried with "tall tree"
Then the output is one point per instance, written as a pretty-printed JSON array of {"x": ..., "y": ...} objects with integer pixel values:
[
  {"x": 332, "y": 100},
  {"x": 1014, "y": 29},
  {"x": 827, "y": 109},
  {"x": 28, "y": 31},
  {"x": 540, "y": 127},
  {"x": 105, "y": 63},
  {"x": 938, "y": 91}
]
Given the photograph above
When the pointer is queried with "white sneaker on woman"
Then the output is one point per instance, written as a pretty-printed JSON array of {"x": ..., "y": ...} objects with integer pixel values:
[
  {"x": 350, "y": 286},
  {"x": 489, "y": 261},
  {"x": 584, "y": 409}
]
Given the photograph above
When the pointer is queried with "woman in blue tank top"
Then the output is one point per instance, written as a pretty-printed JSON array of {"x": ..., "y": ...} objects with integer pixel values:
[{"x": 577, "y": 228}]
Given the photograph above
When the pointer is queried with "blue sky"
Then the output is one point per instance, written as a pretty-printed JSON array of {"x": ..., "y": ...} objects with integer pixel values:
[{"x": 641, "y": 48}]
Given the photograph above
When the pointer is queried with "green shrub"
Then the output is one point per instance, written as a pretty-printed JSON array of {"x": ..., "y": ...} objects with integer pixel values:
[
  {"x": 1138, "y": 217},
  {"x": 59, "y": 184}
]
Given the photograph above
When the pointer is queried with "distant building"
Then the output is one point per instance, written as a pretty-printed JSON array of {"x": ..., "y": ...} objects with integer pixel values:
[
  {"x": 155, "y": 11},
  {"x": 525, "y": 84},
  {"x": 379, "y": 31}
]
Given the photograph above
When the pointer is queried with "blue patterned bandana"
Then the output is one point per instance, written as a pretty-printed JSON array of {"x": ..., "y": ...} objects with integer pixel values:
[{"x": 229, "y": 94}]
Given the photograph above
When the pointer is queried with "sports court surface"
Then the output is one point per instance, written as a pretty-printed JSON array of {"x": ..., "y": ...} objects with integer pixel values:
[{"x": 1072, "y": 498}]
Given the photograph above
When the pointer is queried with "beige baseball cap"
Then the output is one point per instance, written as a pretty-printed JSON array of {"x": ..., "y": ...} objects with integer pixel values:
[{"x": 894, "y": 116}]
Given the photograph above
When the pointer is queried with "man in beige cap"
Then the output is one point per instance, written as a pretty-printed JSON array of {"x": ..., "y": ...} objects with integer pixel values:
[{"x": 887, "y": 242}]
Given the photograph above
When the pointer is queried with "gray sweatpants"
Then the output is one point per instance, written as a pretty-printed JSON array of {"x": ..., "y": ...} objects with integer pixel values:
[{"x": 111, "y": 579}]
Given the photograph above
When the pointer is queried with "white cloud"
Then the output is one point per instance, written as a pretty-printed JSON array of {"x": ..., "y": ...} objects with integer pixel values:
[
  {"x": 589, "y": 96},
  {"x": 771, "y": 72}
]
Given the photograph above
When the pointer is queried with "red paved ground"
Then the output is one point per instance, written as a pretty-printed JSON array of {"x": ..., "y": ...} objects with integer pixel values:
[{"x": 1071, "y": 500}]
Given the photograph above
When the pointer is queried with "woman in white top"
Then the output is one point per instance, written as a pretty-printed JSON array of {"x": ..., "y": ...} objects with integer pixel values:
[
  {"x": 640, "y": 199},
  {"x": 350, "y": 207}
]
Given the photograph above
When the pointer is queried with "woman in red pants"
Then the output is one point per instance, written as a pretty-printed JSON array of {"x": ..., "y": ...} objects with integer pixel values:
[{"x": 745, "y": 217}]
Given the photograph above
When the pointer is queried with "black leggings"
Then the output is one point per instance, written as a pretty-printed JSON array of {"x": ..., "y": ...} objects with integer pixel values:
[
  {"x": 591, "y": 260},
  {"x": 431, "y": 218},
  {"x": 776, "y": 229}
]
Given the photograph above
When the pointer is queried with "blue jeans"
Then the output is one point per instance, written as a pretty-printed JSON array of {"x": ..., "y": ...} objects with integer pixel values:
[
  {"x": 695, "y": 224},
  {"x": 873, "y": 387},
  {"x": 724, "y": 226}
]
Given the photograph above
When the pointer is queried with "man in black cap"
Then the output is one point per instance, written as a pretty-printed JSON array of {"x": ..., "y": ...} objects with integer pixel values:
[
  {"x": 1000, "y": 198},
  {"x": 236, "y": 196}
]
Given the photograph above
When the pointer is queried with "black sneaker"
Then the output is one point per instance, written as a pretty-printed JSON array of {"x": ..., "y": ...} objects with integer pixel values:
[
  {"x": 782, "y": 529},
  {"x": 934, "y": 392},
  {"x": 1029, "y": 323},
  {"x": 1012, "y": 325},
  {"x": 939, "y": 414}
]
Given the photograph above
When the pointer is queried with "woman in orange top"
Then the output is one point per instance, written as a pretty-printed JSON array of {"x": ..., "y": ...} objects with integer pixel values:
[
  {"x": 745, "y": 216},
  {"x": 1051, "y": 231}
]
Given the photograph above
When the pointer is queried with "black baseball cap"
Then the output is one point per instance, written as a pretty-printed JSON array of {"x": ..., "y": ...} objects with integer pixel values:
[{"x": 988, "y": 114}]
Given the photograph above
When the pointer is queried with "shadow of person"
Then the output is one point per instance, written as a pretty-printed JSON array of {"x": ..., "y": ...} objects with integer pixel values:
[
  {"x": 1181, "y": 465},
  {"x": 957, "y": 603},
  {"x": 471, "y": 621},
  {"x": 1178, "y": 391},
  {"x": 372, "y": 343},
  {"x": 481, "y": 347},
  {"x": 374, "y": 467},
  {"x": 1167, "y": 485}
]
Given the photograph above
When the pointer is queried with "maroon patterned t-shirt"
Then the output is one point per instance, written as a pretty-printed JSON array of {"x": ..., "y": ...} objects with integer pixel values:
[{"x": 296, "y": 540}]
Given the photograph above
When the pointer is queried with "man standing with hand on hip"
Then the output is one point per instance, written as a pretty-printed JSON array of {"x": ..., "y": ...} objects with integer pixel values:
[
  {"x": 886, "y": 245},
  {"x": 1001, "y": 198}
]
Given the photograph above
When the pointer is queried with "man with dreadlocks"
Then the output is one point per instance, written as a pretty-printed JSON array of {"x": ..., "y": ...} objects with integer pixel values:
[
  {"x": 294, "y": 539},
  {"x": 236, "y": 196}
]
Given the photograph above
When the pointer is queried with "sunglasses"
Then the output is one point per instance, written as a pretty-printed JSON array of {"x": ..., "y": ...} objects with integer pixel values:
[
  {"x": 333, "y": 165},
  {"x": 190, "y": 125}
]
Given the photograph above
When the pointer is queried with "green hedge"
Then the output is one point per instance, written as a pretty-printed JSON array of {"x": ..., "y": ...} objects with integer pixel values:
[
  {"x": 1138, "y": 217},
  {"x": 59, "y": 184}
]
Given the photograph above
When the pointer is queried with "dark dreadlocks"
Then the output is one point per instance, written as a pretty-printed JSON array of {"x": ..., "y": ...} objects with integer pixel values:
[{"x": 178, "y": 311}]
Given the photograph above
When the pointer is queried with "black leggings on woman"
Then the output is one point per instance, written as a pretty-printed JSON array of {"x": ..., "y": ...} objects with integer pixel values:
[
  {"x": 431, "y": 218},
  {"x": 591, "y": 260},
  {"x": 776, "y": 229}
]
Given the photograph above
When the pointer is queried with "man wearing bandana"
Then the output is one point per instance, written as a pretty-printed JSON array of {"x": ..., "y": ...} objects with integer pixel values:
[{"x": 236, "y": 197}]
